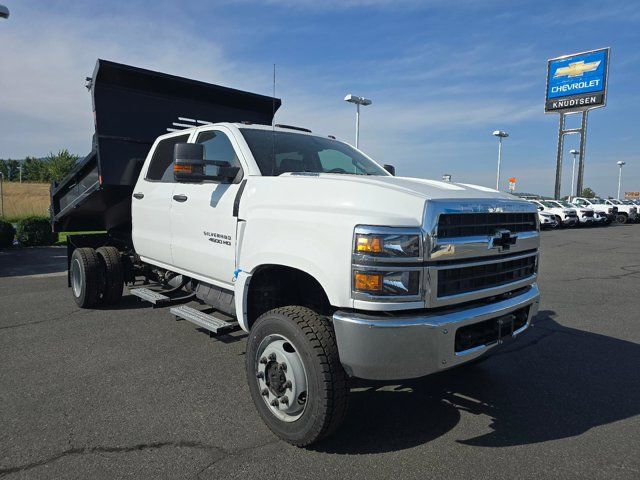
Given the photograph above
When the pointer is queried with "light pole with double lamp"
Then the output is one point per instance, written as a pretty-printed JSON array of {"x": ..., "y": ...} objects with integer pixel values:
[
  {"x": 358, "y": 101},
  {"x": 620, "y": 164},
  {"x": 500, "y": 134}
]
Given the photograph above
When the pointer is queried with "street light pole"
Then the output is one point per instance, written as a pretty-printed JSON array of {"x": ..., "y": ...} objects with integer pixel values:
[
  {"x": 573, "y": 170},
  {"x": 358, "y": 101},
  {"x": 500, "y": 134},
  {"x": 620, "y": 164}
]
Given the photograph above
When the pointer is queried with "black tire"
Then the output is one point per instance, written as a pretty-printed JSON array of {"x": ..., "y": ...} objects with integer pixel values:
[
  {"x": 85, "y": 277},
  {"x": 559, "y": 220},
  {"x": 313, "y": 338},
  {"x": 112, "y": 267},
  {"x": 621, "y": 218}
]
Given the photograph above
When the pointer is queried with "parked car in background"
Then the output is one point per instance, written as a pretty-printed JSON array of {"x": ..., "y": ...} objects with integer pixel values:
[
  {"x": 633, "y": 204},
  {"x": 598, "y": 205},
  {"x": 586, "y": 215},
  {"x": 547, "y": 220},
  {"x": 626, "y": 213},
  {"x": 566, "y": 217}
]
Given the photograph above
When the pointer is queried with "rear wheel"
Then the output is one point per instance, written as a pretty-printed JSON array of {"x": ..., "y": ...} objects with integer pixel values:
[
  {"x": 621, "y": 218},
  {"x": 84, "y": 273},
  {"x": 295, "y": 377},
  {"x": 113, "y": 275}
]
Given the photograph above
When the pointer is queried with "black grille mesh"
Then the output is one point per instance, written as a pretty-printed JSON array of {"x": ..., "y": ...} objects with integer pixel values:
[
  {"x": 471, "y": 224},
  {"x": 454, "y": 281}
]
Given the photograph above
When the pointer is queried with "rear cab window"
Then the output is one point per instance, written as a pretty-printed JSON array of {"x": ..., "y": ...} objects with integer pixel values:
[{"x": 161, "y": 164}]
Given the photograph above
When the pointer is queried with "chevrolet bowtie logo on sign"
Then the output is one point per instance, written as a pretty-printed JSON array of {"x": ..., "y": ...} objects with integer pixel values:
[
  {"x": 576, "y": 69},
  {"x": 577, "y": 82}
]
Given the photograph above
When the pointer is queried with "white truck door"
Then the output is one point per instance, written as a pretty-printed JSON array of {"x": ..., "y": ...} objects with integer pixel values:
[
  {"x": 202, "y": 221},
  {"x": 151, "y": 204}
]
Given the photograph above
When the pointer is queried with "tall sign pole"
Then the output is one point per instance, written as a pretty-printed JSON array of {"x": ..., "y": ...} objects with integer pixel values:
[{"x": 575, "y": 84}]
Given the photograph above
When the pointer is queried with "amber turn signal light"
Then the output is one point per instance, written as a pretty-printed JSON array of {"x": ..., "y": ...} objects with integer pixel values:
[{"x": 368, "y": 282}]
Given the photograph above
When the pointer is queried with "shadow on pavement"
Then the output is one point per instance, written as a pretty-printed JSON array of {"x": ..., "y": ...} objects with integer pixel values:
[
  {"x": 18, "y": 262},
  {"x": 554, "y": 383}
]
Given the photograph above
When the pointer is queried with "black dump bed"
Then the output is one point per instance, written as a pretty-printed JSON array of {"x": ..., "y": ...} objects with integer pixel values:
[{"x": 131, "y": 107}]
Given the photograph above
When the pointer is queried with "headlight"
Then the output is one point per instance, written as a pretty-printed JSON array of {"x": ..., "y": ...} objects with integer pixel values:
[
  {"x": 387, "y": 264},
  {"x": 387, "y": 245},
  {"x": 387, "y": 283}
]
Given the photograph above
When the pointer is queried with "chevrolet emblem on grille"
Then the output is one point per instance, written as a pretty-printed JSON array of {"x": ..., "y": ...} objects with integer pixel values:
[{"x": 503, "y": 239}]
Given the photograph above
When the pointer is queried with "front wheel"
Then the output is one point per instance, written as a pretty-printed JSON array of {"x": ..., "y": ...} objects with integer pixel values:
[
  {"x": 295, "y": 377},
  {"x": 559, "y": 221}
]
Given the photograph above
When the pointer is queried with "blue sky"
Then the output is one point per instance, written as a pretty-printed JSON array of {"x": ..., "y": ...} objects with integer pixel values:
[{"x": 443, "y": 75}]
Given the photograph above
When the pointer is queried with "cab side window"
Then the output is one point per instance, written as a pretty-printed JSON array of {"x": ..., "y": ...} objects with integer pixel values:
[
  {"x": 218, "y": 151},
  {"x": 161, "y": 165}
]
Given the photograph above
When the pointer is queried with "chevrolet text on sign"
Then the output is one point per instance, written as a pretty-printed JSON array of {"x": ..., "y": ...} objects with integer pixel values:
[{"x": 577, "y": 82}]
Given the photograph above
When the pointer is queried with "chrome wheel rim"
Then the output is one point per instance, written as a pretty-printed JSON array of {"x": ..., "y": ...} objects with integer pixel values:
[
  {"x": 76, "y": 277},
  {"x": 281, "y": 377}
]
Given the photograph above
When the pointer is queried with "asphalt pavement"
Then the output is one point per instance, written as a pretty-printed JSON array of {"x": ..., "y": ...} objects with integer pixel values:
[{"x": 133, "y": 393}]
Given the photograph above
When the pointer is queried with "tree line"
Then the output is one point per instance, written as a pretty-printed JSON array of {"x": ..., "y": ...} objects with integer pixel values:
[{"x": 53, "y": 167}]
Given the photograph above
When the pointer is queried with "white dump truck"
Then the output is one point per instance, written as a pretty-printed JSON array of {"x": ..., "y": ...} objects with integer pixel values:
[{"x": 335, "y": 267}]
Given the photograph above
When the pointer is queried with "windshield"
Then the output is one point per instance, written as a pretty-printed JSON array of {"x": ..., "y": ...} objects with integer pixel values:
[
  {"x": 566, "y": 204},
  {"x": 295, "y": 152},
  {"x": 597, "y": 200},
  {"x": 549, "y": 204},
  {"x": 615, "y": 202}
]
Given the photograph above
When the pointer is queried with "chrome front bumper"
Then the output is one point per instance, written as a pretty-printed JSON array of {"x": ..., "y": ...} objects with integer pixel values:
[{"x": 397, "y": 347}]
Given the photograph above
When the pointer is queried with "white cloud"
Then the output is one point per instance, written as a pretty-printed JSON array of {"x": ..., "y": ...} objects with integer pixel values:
[{"x": 45, "y": 59}]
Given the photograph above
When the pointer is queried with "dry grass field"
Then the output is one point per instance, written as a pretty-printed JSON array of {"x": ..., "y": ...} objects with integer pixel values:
[{"x": 21, "y": 199}]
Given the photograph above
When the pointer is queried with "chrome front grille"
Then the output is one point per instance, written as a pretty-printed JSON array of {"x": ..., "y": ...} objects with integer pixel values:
[
  {"x": 454, "y": 281},
  {"x": 454, "y": 225},
  {"x": 466, "y": 255}
]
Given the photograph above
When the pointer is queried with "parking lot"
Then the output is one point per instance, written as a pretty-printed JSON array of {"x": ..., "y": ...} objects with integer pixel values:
[{"x": 131, "y": 393}]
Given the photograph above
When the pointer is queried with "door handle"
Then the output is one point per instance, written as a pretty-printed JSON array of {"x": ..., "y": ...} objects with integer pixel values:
[
  {"x": 139, "y": 196},
  {"x": 180, "y": 198}
]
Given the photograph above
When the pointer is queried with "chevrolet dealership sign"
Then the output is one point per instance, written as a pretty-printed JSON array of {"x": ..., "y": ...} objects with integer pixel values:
[{"x": 577, "y": 82}]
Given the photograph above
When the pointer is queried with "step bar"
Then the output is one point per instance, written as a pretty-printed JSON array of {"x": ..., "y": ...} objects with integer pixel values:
[
  {"x": 155, "y": 298},
  {"x": 214, "y": 322}
]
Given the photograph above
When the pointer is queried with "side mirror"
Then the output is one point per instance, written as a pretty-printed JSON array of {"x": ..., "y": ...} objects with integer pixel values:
[
  {"x": 390, "y": 168},
  {"x": 188, "y": 162},
  {"x": 189, "y": 165},
  {"x": 540, "y": 209}
]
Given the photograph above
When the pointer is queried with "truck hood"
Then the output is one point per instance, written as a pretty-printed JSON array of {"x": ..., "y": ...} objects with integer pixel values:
[
  {"x": 427, "y": 189},
  {"x": 361, "y": 200}
]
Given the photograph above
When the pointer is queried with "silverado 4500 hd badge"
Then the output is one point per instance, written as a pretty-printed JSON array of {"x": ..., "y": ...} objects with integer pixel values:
[{"x": 218, "y": 238}]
